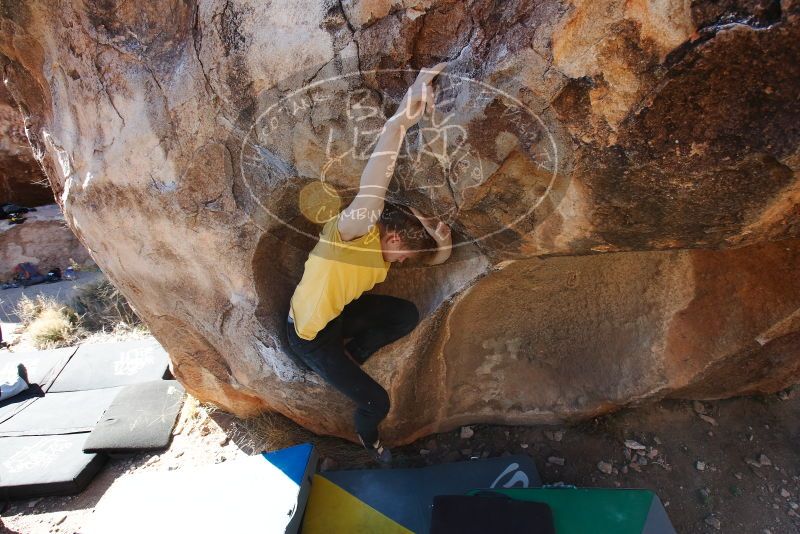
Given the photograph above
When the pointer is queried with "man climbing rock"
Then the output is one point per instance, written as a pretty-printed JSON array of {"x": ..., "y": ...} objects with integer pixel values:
[{"x": 355, "y": 251}]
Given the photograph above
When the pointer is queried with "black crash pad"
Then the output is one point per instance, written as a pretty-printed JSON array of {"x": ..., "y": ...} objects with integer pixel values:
[
  {"x": 33, "y": 466},
  {"x": 140, "y": 417},
  {"x": 60, "y": 413},
  {"x": 105, "y": 365}
]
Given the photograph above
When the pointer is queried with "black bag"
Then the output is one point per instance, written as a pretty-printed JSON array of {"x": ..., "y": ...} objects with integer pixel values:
[
  {"x": 7, "y": 210},
  {"x": 54, "y": 275},
  {"x": 489, "y": 513}
]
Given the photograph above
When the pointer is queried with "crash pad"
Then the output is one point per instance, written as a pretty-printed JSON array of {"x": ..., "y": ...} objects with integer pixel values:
[
  {"x": 600, "y": 510},
  {"x": 43, "y": 366},
  {"x": 60, "y": 413},
  {"x": 400, "y": 500},
  {"x": 140, "y": 417},
  {"x": 105, "y": 365},
  {"x": 479, "y": 514},
  {"x": 33, "y": 466},
  {"x": 17, "y": 403},
  {"x": 262, "y": 493}
]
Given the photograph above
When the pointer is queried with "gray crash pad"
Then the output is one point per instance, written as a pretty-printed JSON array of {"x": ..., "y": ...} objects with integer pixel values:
[
  {"x": 105, "y": 365},
  {"x": 43, "y": 367},
  {"x": 17, "y": 403},
  {"x": 33, "y": 466},
  {"x": 140, "y": 417},
  {"x": 60, "y": 413}
]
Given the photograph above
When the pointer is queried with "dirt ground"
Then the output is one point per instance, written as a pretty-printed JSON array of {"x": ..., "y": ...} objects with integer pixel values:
[{"x": 736, "y": 469}]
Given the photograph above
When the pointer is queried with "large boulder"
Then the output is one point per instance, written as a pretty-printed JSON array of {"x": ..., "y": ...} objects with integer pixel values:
[{"x": 621, "y": 178}]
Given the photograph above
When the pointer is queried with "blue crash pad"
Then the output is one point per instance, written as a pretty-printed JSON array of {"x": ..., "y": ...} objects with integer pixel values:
[{"x": 262, "y": 493}]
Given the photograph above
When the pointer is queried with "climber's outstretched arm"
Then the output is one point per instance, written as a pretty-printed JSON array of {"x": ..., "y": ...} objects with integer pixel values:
[{"x": 366, "y": 208}]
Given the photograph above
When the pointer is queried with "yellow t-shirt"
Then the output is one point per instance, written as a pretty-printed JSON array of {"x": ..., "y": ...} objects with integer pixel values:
[{"x": 336, "y": 273}]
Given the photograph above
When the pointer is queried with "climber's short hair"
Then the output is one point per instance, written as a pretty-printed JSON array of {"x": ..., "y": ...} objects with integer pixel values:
[{"x": 399, "y": 219}]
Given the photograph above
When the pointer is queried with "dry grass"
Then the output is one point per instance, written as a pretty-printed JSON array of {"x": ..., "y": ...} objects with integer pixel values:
[
  {"x": 98, "y": 313},
  {"x": 118, "y": 332},
  {"x": 90, "y": 266},
  {"x": 270, "y": 431},
  {"x": 265, "y": 432},
  {"x": 103, "y": 308},
  {"x": 191, "y": 415},
  {"x": 28, "y": 309},
  {"x": 49, "y": 324}
]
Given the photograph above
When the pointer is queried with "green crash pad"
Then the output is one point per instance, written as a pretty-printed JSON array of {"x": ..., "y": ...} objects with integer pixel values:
[{"x": 599, "y": 510}]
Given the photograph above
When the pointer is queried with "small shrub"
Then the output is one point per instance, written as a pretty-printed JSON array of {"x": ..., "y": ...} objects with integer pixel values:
[
  {"x": 28, "y": 309},
  {"x": 102, "y": 308},
  {"x": 54, "y": 326},
  {"x": 99, "y": 313},
  {"x": 90, "y": 266}
]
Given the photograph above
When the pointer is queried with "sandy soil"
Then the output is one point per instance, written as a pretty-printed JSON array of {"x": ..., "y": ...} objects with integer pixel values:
[{"x": 736, "y": 470}]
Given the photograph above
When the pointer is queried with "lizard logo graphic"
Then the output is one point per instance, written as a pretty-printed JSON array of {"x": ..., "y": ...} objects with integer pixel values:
[{"x": 314, "y": 141}]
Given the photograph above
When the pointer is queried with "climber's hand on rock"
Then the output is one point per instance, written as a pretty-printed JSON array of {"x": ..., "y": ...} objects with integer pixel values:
[
  {"x": 442, "y": 233},
  {"x": 437, "y": 229},
  {"x": 418, "y": 98}
]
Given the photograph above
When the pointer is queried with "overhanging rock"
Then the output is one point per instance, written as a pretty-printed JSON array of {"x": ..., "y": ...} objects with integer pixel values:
[{"x": 622, "y": 180}]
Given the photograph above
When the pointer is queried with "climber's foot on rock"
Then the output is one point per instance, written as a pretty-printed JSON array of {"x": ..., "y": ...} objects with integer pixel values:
[{"x": 377, "y": 451}]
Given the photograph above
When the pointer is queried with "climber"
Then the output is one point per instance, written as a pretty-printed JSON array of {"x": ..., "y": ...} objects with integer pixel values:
[{"x": 355, "y": 250}]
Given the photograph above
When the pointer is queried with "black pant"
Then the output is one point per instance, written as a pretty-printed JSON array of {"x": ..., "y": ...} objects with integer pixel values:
[{"x": 372, "y": 321}]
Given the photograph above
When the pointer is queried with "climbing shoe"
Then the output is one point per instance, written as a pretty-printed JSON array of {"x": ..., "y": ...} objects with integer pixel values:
[
  {"x": 377, "y": 451},
  {"x": 23, "y": 373}
]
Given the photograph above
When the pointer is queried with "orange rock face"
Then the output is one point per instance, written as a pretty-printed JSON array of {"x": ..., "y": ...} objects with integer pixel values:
[{"x": 621, "y": 178}]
